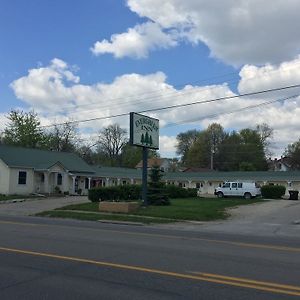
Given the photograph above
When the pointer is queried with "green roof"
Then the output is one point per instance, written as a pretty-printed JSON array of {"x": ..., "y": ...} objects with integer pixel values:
[
  {"x": 117, "y": 172},
  {"x": 231, "y": 176},
  {"x": 42, "y": 159}
]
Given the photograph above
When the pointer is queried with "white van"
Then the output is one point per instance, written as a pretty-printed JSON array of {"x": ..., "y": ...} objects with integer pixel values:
[{"x": 247, "y": 190}]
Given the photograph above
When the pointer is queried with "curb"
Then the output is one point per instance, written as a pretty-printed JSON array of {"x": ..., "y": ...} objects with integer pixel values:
[{"x": 121, "y": 222}]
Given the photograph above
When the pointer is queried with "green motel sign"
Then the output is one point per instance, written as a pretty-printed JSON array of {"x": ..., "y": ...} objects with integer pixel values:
[{"x": 144, "y": 131}]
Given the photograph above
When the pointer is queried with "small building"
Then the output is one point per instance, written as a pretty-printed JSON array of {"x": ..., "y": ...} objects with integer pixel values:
[
  {"x": 26, "y": 171},
  {"x": 206, "y": 182},
  {"x": 111, "y": 176},
  {"x": 163, "y": 163}
]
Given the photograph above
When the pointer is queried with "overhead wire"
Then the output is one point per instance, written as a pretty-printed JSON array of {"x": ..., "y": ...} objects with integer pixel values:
[
  {"x": 225, "y": 113},
  {"x": 229, "y": 112},
  {"x": 177, "y": 105}
]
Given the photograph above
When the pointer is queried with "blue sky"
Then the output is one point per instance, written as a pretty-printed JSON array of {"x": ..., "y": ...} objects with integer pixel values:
[{"x": 169, "y": 53}]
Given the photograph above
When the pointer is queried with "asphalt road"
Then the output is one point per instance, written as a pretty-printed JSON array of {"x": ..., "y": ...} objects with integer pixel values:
[{"x": 65, "y": 259}]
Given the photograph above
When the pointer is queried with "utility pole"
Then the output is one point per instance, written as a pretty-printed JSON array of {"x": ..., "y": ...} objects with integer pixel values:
[{"x": 212, "y": 152}]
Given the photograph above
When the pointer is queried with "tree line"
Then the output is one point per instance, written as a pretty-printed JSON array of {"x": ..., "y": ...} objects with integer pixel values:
[
  {"x": 244, "y": 150},
  {"x": 211, "y": 148},
  {"x": 110, "y": 148}
]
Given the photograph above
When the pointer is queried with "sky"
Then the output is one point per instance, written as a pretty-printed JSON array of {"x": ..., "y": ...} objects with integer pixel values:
[{"x": 78, "y": 60}]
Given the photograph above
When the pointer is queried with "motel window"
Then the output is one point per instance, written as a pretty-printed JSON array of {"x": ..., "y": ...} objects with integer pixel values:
[
  {"x": 197, "y": 185},
  {"x": 42, "y": 177},
  {"x": 22, "y": 177},
  {"x": 59, "y": 179}
]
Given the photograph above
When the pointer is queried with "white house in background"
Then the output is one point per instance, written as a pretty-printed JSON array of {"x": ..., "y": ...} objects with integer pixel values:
[
  {"x": 163, "y": 163},
  {"x": 281, "y": 164},
  {"x": 26, "y": 171}
]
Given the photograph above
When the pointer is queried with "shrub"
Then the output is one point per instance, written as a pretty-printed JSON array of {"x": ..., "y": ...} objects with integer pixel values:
[
  {"x": 174, "y": 192},
  {"x": 115, "y": 193},
  {"x": 273, "y": 191}
]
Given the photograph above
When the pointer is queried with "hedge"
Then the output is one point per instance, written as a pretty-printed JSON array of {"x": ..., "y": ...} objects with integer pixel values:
[
  {"x": 115, "y": 193},
  {"x": 133, "y": 192},
  {"x": 272, "y": 191},
  {"x": 178, "y": 192}
]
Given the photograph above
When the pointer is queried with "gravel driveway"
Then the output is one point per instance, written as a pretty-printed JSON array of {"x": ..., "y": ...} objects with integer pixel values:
[
  {"x": 274, "y": 217},
  {"x": 271, "y": 218},
  {"x": 33, "y": 206}
]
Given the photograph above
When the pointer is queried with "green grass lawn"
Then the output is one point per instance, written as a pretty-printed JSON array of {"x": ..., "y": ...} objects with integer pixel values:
[{"x": 192, "y": 209}]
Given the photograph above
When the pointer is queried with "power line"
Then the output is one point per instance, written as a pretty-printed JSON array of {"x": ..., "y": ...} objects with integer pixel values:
[
  {"x": 171, "y": 94},
  {"x": 230, "y": 112},
  {"x": 178, "y": 105}
]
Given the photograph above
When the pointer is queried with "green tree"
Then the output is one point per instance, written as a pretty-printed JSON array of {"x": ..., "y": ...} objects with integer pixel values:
[
  {"x": 156, "y": 188},
  {"x": 87, "y": 154},
  {"x": 146, "y": 138},
  {"x": 199, "y": 153},
  {"x": 293, "y": 153},
  {"x": 24, "y": 130},
  {"x": 242, "y": 151},
  {"x": 266, "y": 134},
  {"x": 64, "y": 137},
  {"x": 185, "y": 140},
  {"x": 252, "y": 149},
  {"x": 131, "y": 156},
  {"x": 227, "y": 158},
  {"x": 112, "y": 140},
  {"x": 206, "y": 147}
]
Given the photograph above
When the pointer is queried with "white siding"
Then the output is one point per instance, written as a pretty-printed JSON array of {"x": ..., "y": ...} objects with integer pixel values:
[
  {"x": 4, "y": 178},
  {"x": 21, "y": 189}
]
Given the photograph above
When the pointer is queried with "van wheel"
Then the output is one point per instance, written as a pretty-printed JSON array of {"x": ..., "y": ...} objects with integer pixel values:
[
  {"x": 247, "y": 196},
  {"x": 220, "y": 195}
]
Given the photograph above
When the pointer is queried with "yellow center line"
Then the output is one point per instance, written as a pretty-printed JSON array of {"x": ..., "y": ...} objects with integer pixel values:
[
  {"x": 207, "y": 277},
  {"x": 250, "y": 281},
  {"x": 239, "y": 244},
  {"x": 19, "y": 223}
]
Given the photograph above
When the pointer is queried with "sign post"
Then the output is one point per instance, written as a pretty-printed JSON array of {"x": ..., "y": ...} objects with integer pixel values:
[{"x": 144, "y": 132}]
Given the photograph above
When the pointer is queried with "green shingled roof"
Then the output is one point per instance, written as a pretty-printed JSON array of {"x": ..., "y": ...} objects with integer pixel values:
[
  {"x": 232, "y": 176},
  {"x": 117, "y": 172},
  {"x": 42, "y": 159},
  {"x": 114, "y": 172}
]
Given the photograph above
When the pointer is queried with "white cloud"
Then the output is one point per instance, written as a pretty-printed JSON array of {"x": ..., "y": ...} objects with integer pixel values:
[
  {"x": 167, "y": 145},
  {"x": 3, "y": 122},
  {"x": 44, "y": 87},
  {"x": 57, "y": 96},
  {"x": 270, "y": 76},
  {"x": 136, "y": 42},
  {"x": 237, "y": 32}
]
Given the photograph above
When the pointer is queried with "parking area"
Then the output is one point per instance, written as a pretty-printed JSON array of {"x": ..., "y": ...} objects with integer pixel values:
[{"x": 270, "y": 218}]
